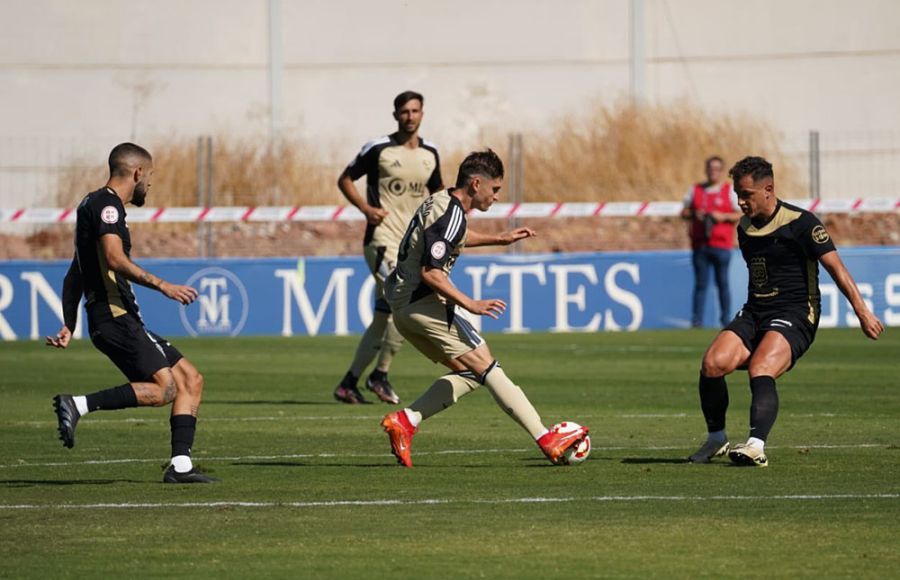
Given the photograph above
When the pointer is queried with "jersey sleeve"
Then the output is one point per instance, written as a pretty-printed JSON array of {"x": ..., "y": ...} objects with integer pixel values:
[
  {"x": 73, "y": 286},
  {"x": 364, "y": 161},
  {"x": 442, "y": 237},
  {"x": 435, "y": 182},
  {"x": 813, "y": 237},
  {"x": 108, "y": 217}
]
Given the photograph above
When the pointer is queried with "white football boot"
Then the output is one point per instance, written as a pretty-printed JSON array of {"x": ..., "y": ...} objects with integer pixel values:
[{"x": 709, "y": 451}]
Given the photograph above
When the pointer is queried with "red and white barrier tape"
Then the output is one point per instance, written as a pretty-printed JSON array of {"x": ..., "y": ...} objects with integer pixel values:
[{"x": 312, "y": 213}]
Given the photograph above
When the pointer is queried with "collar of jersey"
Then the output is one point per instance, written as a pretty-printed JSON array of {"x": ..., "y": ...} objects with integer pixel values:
[{"x": 770, "y": 218}]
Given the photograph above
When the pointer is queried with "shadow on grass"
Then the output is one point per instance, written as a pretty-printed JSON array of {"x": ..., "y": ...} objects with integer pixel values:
[
  {"x": 387, "y": 464},
  {"x": 263, "y": 402},
  {"x": 57, "y": 482},
  {"x": 652, "y": 460}
]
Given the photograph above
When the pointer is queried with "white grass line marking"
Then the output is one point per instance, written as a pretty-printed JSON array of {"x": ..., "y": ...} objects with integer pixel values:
[
  {"x": 443, "y": 501},
  {"x": 162, "y": 420},
  {"x": 240, "y": 458}
]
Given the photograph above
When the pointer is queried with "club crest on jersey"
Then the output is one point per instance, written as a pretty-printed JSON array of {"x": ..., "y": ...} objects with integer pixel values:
[
  {"x": 109, "y": 214},
  {"x": 820, "y": 235},
  {"x": 758, "y": 273},
  {"x": 438, "y": 250}
]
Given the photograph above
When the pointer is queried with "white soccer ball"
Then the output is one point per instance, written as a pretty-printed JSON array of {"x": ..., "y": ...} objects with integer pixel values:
[{"x": 577, "y": 452}]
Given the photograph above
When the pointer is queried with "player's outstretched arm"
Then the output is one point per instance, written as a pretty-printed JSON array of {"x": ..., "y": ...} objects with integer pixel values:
[
  {"x": 871, "y": 326},
  {"x": 374, "y": 215},
  {"x": 475, "y": 239},
  {"x": 440, "y": 283},
  {"x": 121, "y": 264}
]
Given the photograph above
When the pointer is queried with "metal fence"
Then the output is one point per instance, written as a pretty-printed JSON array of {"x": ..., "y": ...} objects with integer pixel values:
[
  {"x": 34, "y": 170},
  {"x": 847, "y": 164}
]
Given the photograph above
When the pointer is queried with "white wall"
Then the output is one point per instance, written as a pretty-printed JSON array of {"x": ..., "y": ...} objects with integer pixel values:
[{"x": 98, "y": 71}]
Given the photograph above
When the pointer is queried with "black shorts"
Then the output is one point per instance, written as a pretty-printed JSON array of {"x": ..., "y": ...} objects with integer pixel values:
[
  {"x": 794, "y": 327},
  {"x": 137, "y": 351}
]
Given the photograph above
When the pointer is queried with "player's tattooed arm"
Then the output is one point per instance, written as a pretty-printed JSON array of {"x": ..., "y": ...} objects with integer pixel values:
[
  {"x": 122, "y": 264},
  {"x": 475, "y": 239},
  {"x": 868, "y": 322},
  {"x": 435, "y": 279}
]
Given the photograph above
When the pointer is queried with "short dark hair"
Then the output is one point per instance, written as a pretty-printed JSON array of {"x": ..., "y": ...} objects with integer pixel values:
[
  {"x": 714, "y": 158},
  {"x": 485, "y": 163},
  {"x": 756, "y": 167},
  {"x": 407, "y": 96},
  {"x": 122, "y": 157}
]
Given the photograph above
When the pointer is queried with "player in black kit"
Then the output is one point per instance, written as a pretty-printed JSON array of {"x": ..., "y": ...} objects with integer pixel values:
[
  {"x": 782, "y": 246},
  {"x": 102, "y": 271}
]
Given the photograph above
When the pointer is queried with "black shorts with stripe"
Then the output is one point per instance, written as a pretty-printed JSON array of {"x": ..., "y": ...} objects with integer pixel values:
[
  {"x": 793, "y": 326},
  {"x": 137, "y": 351}
]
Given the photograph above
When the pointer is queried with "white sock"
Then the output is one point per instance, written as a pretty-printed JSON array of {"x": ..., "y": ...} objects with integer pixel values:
[
  {"x": 81, "y": 404},
  {"x": 718, "y": 436},
  {"x": 544, "y": 432},
  {"x": 756, "y": 443},
  {"x": 414, "y": 417},
  {"x": 182, "y": 463}
]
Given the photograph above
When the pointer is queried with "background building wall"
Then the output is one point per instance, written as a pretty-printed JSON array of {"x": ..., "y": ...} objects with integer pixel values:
[{"x": 78, "y": 76}]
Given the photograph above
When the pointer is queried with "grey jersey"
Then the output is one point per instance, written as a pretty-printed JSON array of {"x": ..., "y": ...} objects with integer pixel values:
[{"x": 434, "y": 237}]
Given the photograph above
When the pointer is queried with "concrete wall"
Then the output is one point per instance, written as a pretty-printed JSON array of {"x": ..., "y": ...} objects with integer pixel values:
[{"x": 81, "y": 75}]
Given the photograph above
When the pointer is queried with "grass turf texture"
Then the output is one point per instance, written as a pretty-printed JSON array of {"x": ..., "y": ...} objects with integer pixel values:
[{"x": 271, "y": 431}]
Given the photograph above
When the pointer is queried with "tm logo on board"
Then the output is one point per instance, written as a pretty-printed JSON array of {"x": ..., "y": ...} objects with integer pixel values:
[{"x": 222, "y": 306}]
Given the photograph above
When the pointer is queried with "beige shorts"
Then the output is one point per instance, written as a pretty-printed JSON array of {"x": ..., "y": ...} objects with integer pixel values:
[
  {"x": 381, "y": 261},
  {"x": 439, "y": 332}
]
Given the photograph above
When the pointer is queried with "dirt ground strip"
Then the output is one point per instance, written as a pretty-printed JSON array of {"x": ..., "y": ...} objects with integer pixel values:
[{"x": 343, "y": 238}]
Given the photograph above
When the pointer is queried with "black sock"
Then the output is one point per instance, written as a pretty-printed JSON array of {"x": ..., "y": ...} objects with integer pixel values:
[
  {"x": 713, "y": 402},
  {"x": 349, "y": 381},
  {"x": 121, "y": 397},
  {"x": 378, "y": 375},
  {"x": 183, "y": 428},
  {"x": 763, "y": 406}
]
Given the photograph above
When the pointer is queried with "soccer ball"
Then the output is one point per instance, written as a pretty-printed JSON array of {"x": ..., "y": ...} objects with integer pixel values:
[{"x": 577, "y": 452}]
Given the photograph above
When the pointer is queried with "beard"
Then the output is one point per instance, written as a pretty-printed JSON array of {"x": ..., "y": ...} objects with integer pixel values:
[{"x": 139, "y": 195}]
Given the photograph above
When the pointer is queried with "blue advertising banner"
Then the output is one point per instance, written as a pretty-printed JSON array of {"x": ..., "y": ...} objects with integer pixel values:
[{"x": 585, "y": 292}]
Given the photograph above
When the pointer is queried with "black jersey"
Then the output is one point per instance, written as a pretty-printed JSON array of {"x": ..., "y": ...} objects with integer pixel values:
[
  {"x": 107, "y": 294},
  {"x": 782, "y": 259}
]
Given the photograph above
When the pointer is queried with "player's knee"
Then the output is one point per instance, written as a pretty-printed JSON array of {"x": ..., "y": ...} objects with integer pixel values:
[
  {"x": 715, "y": 365},
  {"x": 195, "y": 385}
]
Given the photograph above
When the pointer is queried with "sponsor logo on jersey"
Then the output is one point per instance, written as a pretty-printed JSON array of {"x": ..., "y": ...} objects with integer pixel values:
[
  {"x": 820, "y": 235},
  {"x": 396, "y": 186},
  {"x": 109, "y": 214}
]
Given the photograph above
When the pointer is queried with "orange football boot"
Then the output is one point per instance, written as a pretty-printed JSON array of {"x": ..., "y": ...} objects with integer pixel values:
[
  {"x": 555, "y": 444},
  {"x": 401, "y": 431}
]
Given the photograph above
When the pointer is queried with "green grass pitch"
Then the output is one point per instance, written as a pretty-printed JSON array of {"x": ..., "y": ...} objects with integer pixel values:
[{"x": 308, "y": 488}]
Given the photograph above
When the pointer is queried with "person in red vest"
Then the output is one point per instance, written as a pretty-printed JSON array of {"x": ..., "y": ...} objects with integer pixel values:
[{"x": 711, "y": 207}]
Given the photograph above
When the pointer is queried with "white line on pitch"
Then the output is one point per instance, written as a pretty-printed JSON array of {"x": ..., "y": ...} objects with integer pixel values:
[
  {"x": 201, "y": 459},
  {"x": 444, "y": 501},
  {"x": 162, "y": 422}
]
